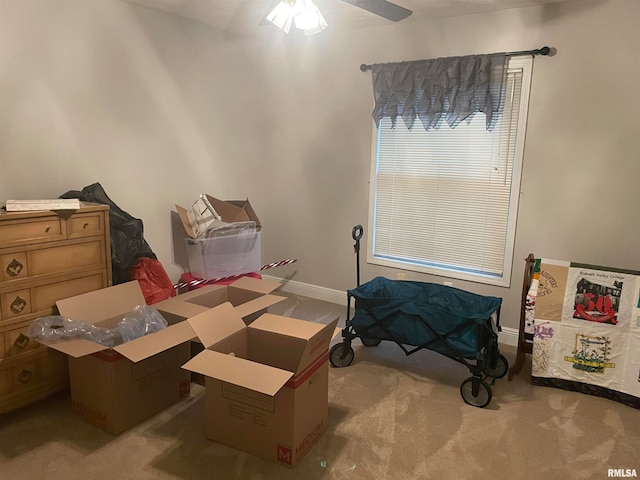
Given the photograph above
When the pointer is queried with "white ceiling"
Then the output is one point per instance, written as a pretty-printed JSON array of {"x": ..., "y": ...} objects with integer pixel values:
[{"x": 244, "y": 16}]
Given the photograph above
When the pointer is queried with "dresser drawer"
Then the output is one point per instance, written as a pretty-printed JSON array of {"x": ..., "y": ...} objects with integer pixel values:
[
  {"x": 59, "y": 258},
  {"x": 16, "y": 303},
  {"x": 26, "y": 375},
  {"x": 66, "y": 257},
  {"x": 40, "y": 300},
  {"x": 14, "y": 266},
  {"x": 45, "y": 296},
  {"x": 85, "y": 225},
  {"x": 20, "y": 232},
  {"x": 38, "y": 375},
  {"x": 17, "y": 342}
]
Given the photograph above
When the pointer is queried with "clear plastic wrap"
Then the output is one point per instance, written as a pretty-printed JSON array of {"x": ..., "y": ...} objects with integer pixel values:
[{"x": 139, "y": 322}]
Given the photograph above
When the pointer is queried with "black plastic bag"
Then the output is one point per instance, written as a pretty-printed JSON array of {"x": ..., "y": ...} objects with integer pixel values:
[{"x": 127, "y": 233}]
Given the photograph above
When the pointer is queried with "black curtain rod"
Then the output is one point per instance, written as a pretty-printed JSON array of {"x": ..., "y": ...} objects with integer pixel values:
[{"x": 538, "y": 51}]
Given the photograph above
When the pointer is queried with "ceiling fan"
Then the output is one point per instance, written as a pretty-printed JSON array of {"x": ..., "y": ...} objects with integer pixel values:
[
  {"x": 385, "y": 9},
  {"x": 307, "y": 17}
]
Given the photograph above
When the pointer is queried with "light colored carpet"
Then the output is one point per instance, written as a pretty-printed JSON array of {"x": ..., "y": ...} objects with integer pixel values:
[{"x": 391, "y": 416}]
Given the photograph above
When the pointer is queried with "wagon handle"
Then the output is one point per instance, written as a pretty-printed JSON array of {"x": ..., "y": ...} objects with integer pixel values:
[{"x": 356, "y": 234}]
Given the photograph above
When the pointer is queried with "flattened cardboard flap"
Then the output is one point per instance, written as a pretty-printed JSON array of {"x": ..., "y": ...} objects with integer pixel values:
[
  {"x": 317, "y": 335},
  {"x": 255, "y": 284},
  {"x": 217, "y": 323},
  {"x": 153, "y": 343},
  {"x": 186, "y": 224},
  {"x": 238, "y": 371},
  {"x": 177, "y": 308},
  {"x": 194, "y": 302},
  {"x": 102, "y": 304},
  {"x": 291, "y": 327},
  {"x": 248, "y": 209},
  {"x": 234, "y": 210},
  {"x": 257, "y": 304},
  {"x": 198, "y": 219}
]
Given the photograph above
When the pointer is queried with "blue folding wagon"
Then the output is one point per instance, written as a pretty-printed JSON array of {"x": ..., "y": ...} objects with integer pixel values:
[{"x": 418, "y": 315}]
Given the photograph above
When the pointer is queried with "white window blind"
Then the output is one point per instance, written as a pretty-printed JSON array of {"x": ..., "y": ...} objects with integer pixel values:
[{"x": 444, "y": 201}]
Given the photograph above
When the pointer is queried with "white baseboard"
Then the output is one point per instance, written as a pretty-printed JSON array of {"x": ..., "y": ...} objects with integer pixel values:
[
  {"x": 508, "y": 336},
  {"x": 312, "y": 291}
]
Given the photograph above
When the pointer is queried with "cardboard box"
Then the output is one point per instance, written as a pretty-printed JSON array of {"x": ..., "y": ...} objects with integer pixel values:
[
  {"x": 266, "y": 383},
  {"x": 209, "y": 211},
  {"x": 250, "y": 296},
  {"x": 116, "y": 388}
]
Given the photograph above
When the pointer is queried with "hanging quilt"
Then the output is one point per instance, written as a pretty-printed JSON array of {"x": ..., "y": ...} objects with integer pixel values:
[{"x": 586, "y": 329}]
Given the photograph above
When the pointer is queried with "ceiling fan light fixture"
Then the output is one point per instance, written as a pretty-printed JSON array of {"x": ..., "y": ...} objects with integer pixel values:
[{"x": 304, "y": 14}]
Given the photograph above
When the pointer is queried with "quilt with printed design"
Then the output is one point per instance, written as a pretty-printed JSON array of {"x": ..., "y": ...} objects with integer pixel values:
[{"x": 584, "y": 322}]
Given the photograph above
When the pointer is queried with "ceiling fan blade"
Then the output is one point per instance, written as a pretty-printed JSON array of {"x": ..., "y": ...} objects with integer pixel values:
[
  {"x": 385, "y": 9},
  {"x": 263, "y": 21}
]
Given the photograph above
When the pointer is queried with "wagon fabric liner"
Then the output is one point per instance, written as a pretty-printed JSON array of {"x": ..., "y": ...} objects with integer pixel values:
[{"x": 402, "y": 308}]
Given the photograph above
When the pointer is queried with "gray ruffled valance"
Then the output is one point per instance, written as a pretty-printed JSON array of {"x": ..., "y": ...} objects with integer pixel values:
[{"x": 452, "y": 88}]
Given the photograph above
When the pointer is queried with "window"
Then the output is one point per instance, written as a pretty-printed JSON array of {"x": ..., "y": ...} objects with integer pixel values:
[{"x": 444, "y": 201}]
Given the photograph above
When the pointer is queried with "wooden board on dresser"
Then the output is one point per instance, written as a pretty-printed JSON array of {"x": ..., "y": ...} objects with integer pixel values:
[{"x": 45, "y": 256}]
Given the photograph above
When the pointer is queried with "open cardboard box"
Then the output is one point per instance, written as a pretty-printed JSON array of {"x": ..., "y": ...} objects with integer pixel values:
[
  {"x": 116, "y": 388},
  {"x": 266, "y": 382},
  {"x": 197, "y": 219},
  {"x": 251, "y": 297}
]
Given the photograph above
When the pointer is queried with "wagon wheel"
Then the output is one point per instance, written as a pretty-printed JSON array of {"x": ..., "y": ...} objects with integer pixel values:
[
  {"x": 501, "y": 368},
  {"x": 482, "y": 395},
  {"x": 370, "y": 342},
  {"x": 341, "y": 355}
]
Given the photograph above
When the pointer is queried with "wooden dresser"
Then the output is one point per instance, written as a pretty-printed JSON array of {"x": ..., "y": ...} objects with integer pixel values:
[{"x": 44, "y": 256}]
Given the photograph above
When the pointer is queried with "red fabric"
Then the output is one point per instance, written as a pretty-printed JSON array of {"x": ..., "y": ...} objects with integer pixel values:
[
  {"x": 603, "y": 304},
  {"x": 188, "y": 278},
  {"x": 153, "y": 279}
]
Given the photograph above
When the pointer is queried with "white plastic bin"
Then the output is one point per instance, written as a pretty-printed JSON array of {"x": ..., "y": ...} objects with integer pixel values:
[{"x": 225, "y": 254}]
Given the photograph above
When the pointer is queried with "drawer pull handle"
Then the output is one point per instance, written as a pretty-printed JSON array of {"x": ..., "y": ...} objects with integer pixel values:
[
  {"x": 22, "y": 341},
  {"x": 17, "y": 306},
  {"x": 85, "y": 225},
  {"x": 14, "y": 268},
  {"x": 46, "y": 230},
  {"x": 24, "y": 376}
]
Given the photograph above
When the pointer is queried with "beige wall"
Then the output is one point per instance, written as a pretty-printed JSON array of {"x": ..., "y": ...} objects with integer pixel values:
[{"x": 160, "y": 109}]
